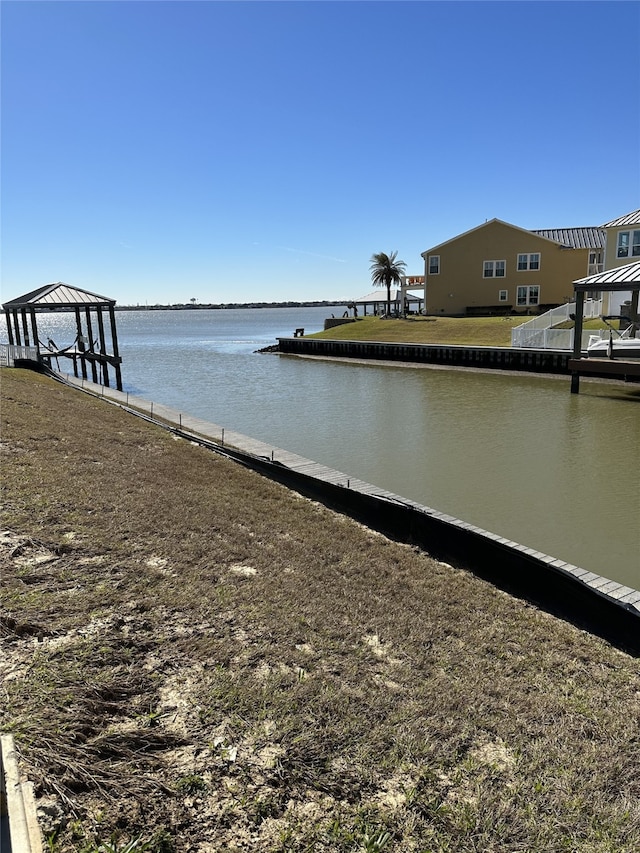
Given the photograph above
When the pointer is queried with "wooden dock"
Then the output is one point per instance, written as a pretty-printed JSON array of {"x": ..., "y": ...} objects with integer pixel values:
[{"x": 609, "y": 368}]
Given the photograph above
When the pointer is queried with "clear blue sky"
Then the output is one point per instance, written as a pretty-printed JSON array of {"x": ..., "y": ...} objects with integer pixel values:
[{"x": 239, "y": 151}]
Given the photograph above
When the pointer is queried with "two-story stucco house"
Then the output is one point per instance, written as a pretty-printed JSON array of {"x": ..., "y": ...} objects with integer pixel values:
[
  {"x": 622, "y": 240},
  {"x": 622, "y": 246},
  {"x": 501, "y": 268}
]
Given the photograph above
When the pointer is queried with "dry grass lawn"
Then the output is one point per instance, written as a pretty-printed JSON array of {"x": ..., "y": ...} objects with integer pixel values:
[{"x": 196, "y": 659}]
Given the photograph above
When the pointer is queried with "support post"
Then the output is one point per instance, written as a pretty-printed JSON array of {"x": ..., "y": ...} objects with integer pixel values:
[
  {"x": 634, "y": 313},
  {"x": 114, "y": 340},
  {"x": 25, "y": 327},
  {"x": 103, "y": 348},
  {"x": 577, "y": 340},
  {"x": 16, "y": 326},
  {"x": 8, "y": 317},
  {"x": 94, "y": 369},
  {"x": 80, "y": 344},
  {"x": 34, "y": 330}
]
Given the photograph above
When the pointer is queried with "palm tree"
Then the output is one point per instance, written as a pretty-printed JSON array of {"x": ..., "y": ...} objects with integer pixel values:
[{"x": 386, "y": 270}]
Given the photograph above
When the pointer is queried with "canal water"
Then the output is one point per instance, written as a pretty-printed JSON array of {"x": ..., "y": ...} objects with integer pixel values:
[{"x": 515, "y": 454}]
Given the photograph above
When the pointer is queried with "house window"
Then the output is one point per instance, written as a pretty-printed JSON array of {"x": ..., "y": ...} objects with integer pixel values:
[
  {"x": 528, "y": 295},
  {"x": 628, "y": 240},
  {"x": 493, "y": 268},
  {"x": 434, "y": 264},
  {"x": 595, "y": 263},
  {"x": 503, "y": 295},
  {"x": 529, "y": 261}
]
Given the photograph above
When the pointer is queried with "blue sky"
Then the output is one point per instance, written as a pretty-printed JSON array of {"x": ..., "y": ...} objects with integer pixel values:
[{"x": 239, "y": 151}]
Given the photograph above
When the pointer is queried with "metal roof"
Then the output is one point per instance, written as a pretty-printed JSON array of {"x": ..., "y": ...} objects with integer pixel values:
[
  {"x": 632, "y": 218},
  {"x": 477, "y": 228},
  {"x": 575, "y": 238},
  {"x": 381, "y": 296},
  {"x": 619, "y": 278},
  {"x": 591, "y": 237},
  {"x": 58, "y": 295}
]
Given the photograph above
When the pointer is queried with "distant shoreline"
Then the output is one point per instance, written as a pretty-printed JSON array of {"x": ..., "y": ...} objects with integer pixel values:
[
  {"x": 224, "y": 305},
  {"x": 221, "y": 306}
]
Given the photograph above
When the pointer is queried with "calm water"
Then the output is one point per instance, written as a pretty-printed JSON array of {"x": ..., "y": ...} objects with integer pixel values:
[{"x": 517, "y": 455}]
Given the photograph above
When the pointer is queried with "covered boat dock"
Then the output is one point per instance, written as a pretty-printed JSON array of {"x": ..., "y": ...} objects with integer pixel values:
[
  {"x": 401, "y": 300},
  {"x": 619, "y": 279},
  {"x": 87, "y": 352}
]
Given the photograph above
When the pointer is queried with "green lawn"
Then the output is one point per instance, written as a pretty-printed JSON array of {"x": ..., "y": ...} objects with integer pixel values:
[{"x": 475, "y": 331}]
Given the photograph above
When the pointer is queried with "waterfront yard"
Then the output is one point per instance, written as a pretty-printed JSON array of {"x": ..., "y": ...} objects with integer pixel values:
[
  {"x": 470, "y": 331},
  {"x": 197, "y": 659}
]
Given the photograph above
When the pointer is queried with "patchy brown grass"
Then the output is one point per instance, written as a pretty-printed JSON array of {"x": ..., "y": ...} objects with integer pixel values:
[{"x": 196, "y": 657}]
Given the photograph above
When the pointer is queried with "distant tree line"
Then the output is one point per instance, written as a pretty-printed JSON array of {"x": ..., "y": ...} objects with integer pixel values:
[{"x": 190, "y": 306}]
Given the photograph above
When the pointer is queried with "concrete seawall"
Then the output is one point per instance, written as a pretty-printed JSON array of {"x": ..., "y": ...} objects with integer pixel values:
[
  {"x": 498, "y": 358},
  {"x": 595, "y": 603}
]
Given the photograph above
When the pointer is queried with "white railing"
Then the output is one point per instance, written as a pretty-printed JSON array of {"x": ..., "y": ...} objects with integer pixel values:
[
  {"x": 10, "y": 353},
  {"x": 558, "y": 338},
  {"x": 538, "y": 332}
]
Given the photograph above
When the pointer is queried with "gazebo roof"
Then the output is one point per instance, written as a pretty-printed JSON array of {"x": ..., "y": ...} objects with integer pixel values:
[
  {"x": 626, "y": 277},
  {"x": 58, "y": 295}
]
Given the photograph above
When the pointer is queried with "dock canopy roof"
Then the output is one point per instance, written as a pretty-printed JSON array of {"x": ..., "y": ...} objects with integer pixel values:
[
  {"x": 626, "y": 277},
  {"x": 58, "y": 295},
  {"x": 381, "y": 296}
]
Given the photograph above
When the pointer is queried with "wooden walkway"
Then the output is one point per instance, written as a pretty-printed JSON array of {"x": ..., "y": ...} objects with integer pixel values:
[
  {"x": 623, "y": 595},
  {"x": 605, "y": 367}
]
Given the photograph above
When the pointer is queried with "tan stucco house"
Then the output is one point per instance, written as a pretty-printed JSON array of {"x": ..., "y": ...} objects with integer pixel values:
[{"x": 501, "y": 268}]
